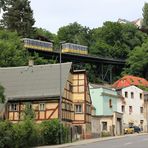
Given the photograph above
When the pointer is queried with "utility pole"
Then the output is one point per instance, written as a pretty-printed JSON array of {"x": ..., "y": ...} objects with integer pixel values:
[{"x": 60, "y": 105}]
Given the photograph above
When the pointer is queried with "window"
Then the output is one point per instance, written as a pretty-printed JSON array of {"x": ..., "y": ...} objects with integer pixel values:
[
  {"x": 130, "y": 109},
  {"x": 104, "y": 126},
  {"x": 110, "y": 103},
  {"x": 132, "y": 95},
  {"x": 88, "y": 109},
  {"x": 126, "y": 94},
  {"x": 42, "y": 106},
  {"x": 70, "y": 87},
  {"x": 78, "y": 108},
  {"x": 140, "y": 95},
  {"x": 13, "y": 107},
  {"x": 141, "y": 110},
  {"x": 123, "y": 108}
]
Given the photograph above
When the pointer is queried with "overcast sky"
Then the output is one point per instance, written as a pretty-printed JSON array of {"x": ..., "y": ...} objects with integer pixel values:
[{"x": 53, "y": 14}]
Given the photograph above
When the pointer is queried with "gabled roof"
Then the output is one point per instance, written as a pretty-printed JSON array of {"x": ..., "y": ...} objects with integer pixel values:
[
  {"x": 34, "y": 81},
  {"x": 129, "y": 80}
]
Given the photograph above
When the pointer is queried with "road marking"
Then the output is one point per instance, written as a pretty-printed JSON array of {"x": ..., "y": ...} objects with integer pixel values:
[{"x": 128, "y": 143}]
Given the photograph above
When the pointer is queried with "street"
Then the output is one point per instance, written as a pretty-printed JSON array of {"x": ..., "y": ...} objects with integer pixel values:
[{"x": 125, "y": 142}]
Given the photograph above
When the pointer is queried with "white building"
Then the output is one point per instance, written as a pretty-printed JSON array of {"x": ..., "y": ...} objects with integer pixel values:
[{"x": 133, "y": 108}]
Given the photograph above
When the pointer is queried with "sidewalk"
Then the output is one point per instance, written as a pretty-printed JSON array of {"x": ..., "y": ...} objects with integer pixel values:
[{"x": 87, "y": 141}]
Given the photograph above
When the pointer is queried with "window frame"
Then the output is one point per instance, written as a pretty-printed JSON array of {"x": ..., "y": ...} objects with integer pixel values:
[
  {"x": 42, "y": 105},
  {"x": 13, "y": 107},
  {"x": 79, "y": 109}
]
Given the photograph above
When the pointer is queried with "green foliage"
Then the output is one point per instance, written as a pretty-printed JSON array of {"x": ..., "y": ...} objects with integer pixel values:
[
  {"x": 27, "y": 133},
  {"x": 44, "y": 33},
  {"x": 137, "y": 63},
  {"x": 2, "y": 96},
  {"x": 145, "y": 16},
  {"x": 24, "y": 134},
  {"x": 28, "y": 112},
  {"x": 105, "y": 134},
  {"x": 18, "y": 17},
  {"x": 6, "y": 134},
  {"x": 51, "y": 131},
  {"x": 12, "y": 52},
  {"x": 143, "y": 88},
  {"x": 115, "y": 40},
  {"x": 74, "y": 33}
]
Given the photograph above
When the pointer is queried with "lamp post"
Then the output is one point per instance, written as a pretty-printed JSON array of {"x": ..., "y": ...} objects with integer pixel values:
[{"x": 60, "y": 105}]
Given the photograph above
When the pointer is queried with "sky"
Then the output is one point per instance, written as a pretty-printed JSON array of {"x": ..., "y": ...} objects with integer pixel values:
[{"x": 53, "y": 14}]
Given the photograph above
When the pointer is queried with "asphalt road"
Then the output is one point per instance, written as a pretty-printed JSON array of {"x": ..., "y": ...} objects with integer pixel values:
[{"x": 125, "y": 142}]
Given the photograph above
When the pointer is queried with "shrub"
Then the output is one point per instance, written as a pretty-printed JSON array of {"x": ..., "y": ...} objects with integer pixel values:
[
  {"x": 6, "y": 134},
  {"x": 105, "y": 134},
  {"x": 25, "y": 134},
  {"x": 51, "y": 132}
]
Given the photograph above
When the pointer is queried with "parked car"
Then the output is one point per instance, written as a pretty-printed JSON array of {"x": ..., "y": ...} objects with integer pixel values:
[
  {"x": 136, "y": 129},
  {"x": 129, "y": 130}
]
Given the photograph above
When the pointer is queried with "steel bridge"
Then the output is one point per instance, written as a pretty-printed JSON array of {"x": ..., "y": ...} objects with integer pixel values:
[{"x": 105, "y": 68}]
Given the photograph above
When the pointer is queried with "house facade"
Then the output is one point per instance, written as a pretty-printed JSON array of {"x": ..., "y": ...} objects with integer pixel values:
[
  {"x": 107, "y": 102},
  {"x": 133, "y": 110},
  {"x": 38, "y": 87},
  {"x": 82, "y": 103}
]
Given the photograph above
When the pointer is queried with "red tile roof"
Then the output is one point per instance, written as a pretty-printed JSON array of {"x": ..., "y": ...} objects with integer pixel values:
[{"x": 130, "y": 80}]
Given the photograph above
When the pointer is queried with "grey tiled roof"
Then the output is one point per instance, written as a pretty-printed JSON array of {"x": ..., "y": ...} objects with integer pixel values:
[{"x": 36, "y": 81}]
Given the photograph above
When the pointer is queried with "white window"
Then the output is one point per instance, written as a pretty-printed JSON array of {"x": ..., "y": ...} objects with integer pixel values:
[
  {"x": 13, "y": 107},
  {"x": 78, "y": 108},
  {"x": 42, "y": 106}
]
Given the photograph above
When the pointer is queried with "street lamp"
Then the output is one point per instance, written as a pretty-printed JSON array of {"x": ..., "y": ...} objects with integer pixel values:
[{"x": 60, "y": 105}]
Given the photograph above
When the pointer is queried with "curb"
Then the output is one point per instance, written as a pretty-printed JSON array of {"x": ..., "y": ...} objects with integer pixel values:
[{"x": 88, "y": 141}]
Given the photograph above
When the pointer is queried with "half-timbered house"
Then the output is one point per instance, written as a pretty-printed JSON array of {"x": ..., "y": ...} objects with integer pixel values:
[{"x": 38, "y": 87}]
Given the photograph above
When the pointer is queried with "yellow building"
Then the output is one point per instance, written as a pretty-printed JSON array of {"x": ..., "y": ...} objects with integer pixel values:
[{"x": 38, "y": 87}]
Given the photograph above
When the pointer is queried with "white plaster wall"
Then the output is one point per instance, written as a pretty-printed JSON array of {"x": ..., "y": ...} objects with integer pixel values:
[{"x": 136, "y": 103}]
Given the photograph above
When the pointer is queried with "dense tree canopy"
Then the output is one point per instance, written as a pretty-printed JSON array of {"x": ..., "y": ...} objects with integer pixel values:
[
  {"x": 115, "y": 40},
  {"x": 18, "y": 16},
  {"x": 12, "y": 52},
  {"x": 74, "y": 33},
  {"x": 145, "y": 16},
  {"x": 138, "y": 61}
]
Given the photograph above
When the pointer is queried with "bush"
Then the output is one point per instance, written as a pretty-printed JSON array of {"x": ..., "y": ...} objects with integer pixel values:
[
  {"x": 6, "y": 134},
  {"x": 50, "y": 131},
  {"x": 25, "y": 134},
  {"x": 105, "y": 134}
]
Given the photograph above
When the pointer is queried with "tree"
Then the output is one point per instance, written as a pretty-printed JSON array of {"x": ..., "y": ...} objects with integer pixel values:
[
  {"x": 18, "y": 16},
  {"x": 2, "y": 96},
  {"x": 137, "y": 63},
  {"x": 115, "y": 40},
  {"x": 74, "y": 33},
  {"x": 145, "y": 16},
  {"x": 12, "y": 52},
  {"x": 45, "y": 33}
]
